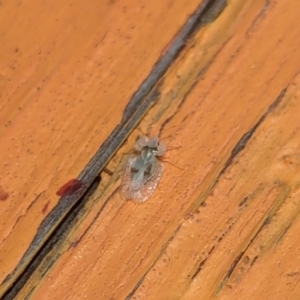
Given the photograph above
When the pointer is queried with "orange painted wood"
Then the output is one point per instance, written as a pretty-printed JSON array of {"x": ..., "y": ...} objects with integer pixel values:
[
  {"x": 224, "y": 225},
  {"x": 67, "y": 70}
]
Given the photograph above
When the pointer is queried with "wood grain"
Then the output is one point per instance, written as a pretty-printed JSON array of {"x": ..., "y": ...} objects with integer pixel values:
[{"x": 224, "y": 225}]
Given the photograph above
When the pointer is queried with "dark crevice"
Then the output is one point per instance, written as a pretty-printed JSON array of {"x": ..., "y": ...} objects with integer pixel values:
[
  {"x": 194, "y": 84},
  {"x": 239, "y": 257},
  {"x": 236, "y": 150},
  {"x": 283, "y": 233},
  {"x": 258, "y": 17},
  {"x": 233, "y": 265},
  {"x": 213, "y": 11},
  {"x": 166, "y": 122},
  {"x": 243, "y": 202},
  {"x": 253, "y": 261},
  {"x": 162, "y": 251},
  {"x": 206, "y": 10},
  {"x": 241, "y": 144},
  {"x": 267, "y": 221},
  {"x": 200, "y": 266}
]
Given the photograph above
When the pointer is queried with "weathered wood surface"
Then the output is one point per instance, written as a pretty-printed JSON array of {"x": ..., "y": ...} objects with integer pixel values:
[{"x": 225, "y": 224}]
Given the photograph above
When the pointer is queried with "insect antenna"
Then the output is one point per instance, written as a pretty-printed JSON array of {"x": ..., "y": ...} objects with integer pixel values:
[
  {"x": 141, "y": 133},
  {"x": 174, "y": 148},
  {"x": 129, "y": 152},
  {"x": 169, "y": 162}
]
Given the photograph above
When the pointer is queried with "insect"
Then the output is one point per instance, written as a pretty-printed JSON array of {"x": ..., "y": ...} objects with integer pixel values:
[
  {"x": 69, "y": 188},
  {"x": 143, "y": 170}
]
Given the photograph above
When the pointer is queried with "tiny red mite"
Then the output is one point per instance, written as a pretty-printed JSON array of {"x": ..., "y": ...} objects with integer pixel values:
[
  {"x": 3, "y": 195},
  {"x": 69, "y": 188}
]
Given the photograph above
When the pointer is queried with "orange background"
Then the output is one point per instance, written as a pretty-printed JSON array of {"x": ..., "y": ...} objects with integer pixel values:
[{"x": 225, "y": 224}]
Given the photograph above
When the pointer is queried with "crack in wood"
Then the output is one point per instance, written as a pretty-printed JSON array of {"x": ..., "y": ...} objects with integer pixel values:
[
  {"x": 235, "y": 262},
  {"x": 264, "y": 223},
  {"x": 241, "y": 144},
  {"x": 283, "y": 233},
  {"x": 253, "y": 260},
  {"x": 161, "y": 66},
  {"x": 213, "y": 11},
  {"x": 244, "y": 201},
  {"x": 22, "y": 215},
  {"x": 238, "y": 258},
  {"x": 258, "y": 17},
  {"x": 199, "y": 268},
  {"x": 162, "y": 251}
]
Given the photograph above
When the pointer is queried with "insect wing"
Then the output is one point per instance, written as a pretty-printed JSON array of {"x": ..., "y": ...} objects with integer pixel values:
[
  {"x": 129, "y": 190},
  {"x": 125, "y": 188},
  {"x": 151, "y": 184}
]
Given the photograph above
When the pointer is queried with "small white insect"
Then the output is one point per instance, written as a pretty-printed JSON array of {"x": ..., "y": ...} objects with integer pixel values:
[{"x": 143, "y": 170}]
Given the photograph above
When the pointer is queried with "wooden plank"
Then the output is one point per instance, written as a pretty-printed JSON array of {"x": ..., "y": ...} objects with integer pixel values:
[
  {"x": 226, "y": 226},
  {"x": 67, "y": 73}
]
